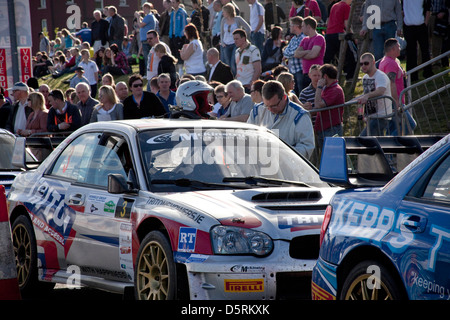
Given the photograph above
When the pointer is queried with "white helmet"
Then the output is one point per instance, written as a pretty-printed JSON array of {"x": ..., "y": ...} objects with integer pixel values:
[{"x": 193, "y": 96}]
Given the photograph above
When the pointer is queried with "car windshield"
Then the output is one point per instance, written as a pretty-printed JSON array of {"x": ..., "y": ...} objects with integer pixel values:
[{"x": 184, "y": 159}]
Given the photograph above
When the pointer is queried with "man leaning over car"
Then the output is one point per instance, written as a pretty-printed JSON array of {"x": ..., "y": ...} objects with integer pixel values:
[{"x": 63, "y": 116}]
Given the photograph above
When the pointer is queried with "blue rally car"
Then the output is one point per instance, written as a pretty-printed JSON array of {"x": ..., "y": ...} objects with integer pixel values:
[{"x": 385, "y": 242}]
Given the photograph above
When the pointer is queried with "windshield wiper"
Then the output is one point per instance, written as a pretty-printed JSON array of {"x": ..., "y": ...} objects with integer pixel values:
[
  {"x": 184, "y": 182},
  {"x": 255, "y": 180}
]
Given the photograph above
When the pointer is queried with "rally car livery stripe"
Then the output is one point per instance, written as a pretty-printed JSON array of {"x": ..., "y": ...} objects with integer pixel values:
[{"x": 320, "y": 294}]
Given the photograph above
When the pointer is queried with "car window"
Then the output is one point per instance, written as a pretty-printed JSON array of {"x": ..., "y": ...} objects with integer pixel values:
[
  {"x": 111, "y": 155},
  {"x": 438, "y": 187},
  {"x": 91, "y": 157},
  {"x": 72, "y": 162},
  {"x": 211, "y": 155}
]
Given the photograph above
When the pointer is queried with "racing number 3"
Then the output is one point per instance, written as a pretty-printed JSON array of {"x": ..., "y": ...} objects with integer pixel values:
[{"x": 123, "y": 208}]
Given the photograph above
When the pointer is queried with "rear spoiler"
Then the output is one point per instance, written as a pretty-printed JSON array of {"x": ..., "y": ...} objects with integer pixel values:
[
  {"x": 352, "y": 162},
  {"x": 30, "y": 152}
]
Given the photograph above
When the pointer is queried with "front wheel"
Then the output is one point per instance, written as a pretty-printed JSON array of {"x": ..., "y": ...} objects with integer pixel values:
[
  {"x": 25, "y": 252},
  {"x": 155, "y": 275},
  {"x": 370, "y": 280}
]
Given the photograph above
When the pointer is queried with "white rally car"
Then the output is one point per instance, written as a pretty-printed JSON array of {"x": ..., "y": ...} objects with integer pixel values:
[{"x": 196, "y": 209}]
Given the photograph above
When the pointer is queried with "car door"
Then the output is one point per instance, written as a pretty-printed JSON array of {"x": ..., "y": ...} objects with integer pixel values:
[
  {"x": 101, "y": 242},
  {"x": 105, "y": 246},
  {"x": 424, "y": 222},
  {"x": 52, "y": 217}
]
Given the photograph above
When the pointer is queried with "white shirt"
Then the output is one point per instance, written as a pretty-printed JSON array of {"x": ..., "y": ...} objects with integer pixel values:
[
  {"x": 90, "y": 68},
  {"x": 257, "y": 10},
  {"x": 195, "y": 64},
  {"x": 21, "y": 118},
  {"x": 213, "y": 68},
  {"x": 153, "y": 61},
  {"x": 413, "y": 11},
  {"x": 382, "y": 107},
  {"x": 244, "y": 63}
]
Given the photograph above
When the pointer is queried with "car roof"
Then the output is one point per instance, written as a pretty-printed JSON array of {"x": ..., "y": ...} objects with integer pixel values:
[{"x": 145, "y": 124}]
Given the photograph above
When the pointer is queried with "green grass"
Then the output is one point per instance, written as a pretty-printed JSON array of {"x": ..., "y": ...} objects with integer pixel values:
[{"x": 59, "y": 82}]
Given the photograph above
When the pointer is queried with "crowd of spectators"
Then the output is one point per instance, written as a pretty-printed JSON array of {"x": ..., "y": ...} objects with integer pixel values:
[{"x": 259, "y": 73}]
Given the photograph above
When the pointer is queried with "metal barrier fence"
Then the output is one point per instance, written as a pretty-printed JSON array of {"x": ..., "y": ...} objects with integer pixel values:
[
  {"x": 428, "y": 101},
  {"x": 386, "y": 121}
]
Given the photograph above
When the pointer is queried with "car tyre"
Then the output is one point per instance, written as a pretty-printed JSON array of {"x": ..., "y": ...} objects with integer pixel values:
[
  {"x": 155, "y": 274},
  {"x": 362, "y": 283},
  {"x": 25, "y": 252}
]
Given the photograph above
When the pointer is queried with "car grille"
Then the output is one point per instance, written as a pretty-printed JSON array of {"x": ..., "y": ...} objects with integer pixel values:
[
  {"x": 294, "y": 285},
  {"x": 305, "y": 247}
]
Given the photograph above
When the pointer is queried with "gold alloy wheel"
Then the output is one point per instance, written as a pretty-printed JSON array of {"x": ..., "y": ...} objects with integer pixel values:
[
  {"x": 363, "y": 288},
  {"x": 22, "y": 252},
  {"x": 153, "y": 273}
]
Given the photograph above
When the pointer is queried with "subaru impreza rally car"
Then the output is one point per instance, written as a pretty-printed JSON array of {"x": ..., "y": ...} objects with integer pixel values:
[
  {"x": 177, "y": 208},
  {"x": 390, "y": 242}
]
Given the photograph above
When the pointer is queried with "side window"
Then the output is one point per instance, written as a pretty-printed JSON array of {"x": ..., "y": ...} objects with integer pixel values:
[
  {"x": 438, "y": 187},
  {"x": 72, "y": 162},
  {"x": 111, "y": 155}
]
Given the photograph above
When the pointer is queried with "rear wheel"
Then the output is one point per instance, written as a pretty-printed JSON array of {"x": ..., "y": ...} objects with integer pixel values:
[
  {"x": 370, "y": 280},
  {"x": 155, "y": 275}
]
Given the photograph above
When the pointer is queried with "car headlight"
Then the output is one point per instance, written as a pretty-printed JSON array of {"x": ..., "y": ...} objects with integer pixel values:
[{"x": 235, "y": 240}]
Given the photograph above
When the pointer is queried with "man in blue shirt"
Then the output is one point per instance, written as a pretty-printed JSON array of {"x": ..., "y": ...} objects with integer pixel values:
[
  {"x": 178, "y": 20},
  {"x": 167, "y": 96},
  {"x": 85, "y": 33},
  {"x": 146, "y": 23}
]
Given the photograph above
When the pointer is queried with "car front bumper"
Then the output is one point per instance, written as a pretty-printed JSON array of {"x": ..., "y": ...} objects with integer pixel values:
[
  {"x": 277, "y": 276},
  {"x": 324, "y": 281}
]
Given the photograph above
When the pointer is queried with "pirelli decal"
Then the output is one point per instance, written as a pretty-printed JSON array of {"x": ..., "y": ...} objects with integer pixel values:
[
  {"x": 320, "y": 294},
  {"x": 244, "y": 286}
]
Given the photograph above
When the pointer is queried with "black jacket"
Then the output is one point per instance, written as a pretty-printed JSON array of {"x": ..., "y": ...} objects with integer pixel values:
[
  {"x": 222, "y": 73},
  {"x": 99, "y": 31},
  {"x": 149, "y": 106},
  {"x": 12, "y": 116},
  {"x": 72, "y": 116}
]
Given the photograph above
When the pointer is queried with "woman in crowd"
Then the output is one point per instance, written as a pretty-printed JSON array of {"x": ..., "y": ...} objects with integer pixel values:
[
  {"x": 256, "y": 91},
  {"x": 288, "y": 82},
  {"x": 108, "y": 80},
  {"x": 109, "y": 107},
  {"x": 37, "y": 120},
  {"x": 223, "y": 99},
  {"x": 230, "y": 22},
  {"x": 107, "y": 60},
  {"x": 98, "y": 57},
  {"x": 167, "y": 63},
  {"x": 115, "y": 61},
  {"x": 192, "y": 53},
  {"x": 273, "y": 50}
]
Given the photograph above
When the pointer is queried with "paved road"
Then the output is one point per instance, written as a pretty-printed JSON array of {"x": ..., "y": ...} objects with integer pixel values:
[{"x": 65, "y": 293}]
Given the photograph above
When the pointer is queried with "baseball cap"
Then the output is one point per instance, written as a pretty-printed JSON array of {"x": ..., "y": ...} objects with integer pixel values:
[
  {"x": 79, "y": 69},
  {"x": 19, "y": 86}
]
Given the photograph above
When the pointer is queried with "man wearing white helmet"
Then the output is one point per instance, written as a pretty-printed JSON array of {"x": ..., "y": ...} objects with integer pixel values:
[{"x": 192, "y": 98}]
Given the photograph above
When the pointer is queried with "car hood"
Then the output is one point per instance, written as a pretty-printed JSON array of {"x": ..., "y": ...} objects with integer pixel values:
[{"x": 283, "y": 213}]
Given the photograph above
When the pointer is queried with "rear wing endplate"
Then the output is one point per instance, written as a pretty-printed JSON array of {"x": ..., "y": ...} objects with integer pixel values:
[{"x": 352, "y": 162}]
